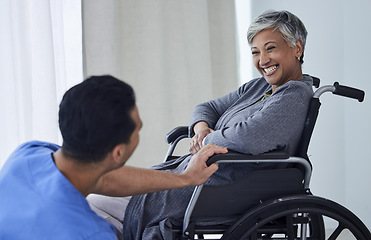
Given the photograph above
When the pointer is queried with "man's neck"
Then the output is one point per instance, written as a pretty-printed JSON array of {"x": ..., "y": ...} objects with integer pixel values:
[{"x": 83, "y": 177}]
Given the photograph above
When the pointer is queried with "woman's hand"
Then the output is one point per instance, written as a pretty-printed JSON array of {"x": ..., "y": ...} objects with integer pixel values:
[{"x": 201, "y": 130}]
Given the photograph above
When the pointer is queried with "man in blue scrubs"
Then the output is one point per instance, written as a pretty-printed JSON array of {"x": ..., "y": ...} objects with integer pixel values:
[{"x": 43, "y": 186}]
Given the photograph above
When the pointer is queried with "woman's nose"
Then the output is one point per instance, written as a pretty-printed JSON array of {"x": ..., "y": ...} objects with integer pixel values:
[{"x": 264, "y": 59}]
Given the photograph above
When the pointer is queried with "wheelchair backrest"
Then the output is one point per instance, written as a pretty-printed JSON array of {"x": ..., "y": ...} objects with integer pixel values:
[
  {"x": 310, "y": 121},
  {"x": 314, "y": 107}
]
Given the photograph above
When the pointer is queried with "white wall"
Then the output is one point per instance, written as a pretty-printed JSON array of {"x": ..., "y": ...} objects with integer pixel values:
[
  {"x": 174, "y": 54},
  {"x": 337, "y": 50}
]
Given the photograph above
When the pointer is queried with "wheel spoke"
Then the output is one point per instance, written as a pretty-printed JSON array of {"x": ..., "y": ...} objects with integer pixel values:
[{"x": 298, "y": 211}]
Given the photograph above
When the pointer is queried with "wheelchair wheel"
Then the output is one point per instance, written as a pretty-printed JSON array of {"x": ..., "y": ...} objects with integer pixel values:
[{"x": 299, "y": 217}]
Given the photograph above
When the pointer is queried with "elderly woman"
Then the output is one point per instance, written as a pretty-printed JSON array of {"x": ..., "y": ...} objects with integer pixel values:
[
  {"x": 262, "y": 115},
  {"x": 268, "y": 111}
]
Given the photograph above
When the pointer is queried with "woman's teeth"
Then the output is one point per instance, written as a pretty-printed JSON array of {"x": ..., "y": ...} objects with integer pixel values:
[{"x": 270, "y": 69}]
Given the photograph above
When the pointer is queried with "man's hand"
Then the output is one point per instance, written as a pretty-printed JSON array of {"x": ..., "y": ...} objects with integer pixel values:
[{"x": 197, "y": 171}]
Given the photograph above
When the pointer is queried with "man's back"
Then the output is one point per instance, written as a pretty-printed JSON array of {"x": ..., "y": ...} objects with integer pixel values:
[{"x": 38, "y": 202}]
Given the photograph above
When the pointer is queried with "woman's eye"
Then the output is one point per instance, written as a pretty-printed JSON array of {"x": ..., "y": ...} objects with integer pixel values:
[
  {"x": 255, "y": 53},
  {"x": 270, "y": 48}
]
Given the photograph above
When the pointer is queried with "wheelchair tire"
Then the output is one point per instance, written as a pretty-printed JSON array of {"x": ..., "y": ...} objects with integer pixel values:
[{"x": 294, "y": 211}]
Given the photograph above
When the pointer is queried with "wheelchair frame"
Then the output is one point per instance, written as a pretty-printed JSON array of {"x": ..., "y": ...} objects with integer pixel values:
[{"x": 291, "y": 212}]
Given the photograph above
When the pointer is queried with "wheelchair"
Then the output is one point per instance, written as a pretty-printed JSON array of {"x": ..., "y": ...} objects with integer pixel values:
[{"x": 274, "y": 203}]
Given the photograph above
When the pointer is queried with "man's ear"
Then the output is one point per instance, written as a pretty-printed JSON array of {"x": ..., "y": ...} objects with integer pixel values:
[{"x": 118, "y": 152}]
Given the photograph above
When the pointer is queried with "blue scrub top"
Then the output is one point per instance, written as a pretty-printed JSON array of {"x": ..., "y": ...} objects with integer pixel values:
[{"x": 38, "y": 202}]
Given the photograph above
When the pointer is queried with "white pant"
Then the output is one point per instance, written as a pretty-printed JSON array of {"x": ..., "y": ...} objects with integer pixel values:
[{"x": 110, "y": 208}]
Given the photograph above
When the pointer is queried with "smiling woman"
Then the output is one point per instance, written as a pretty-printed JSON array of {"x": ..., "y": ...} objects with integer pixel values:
[{"x": 240, "y": 121}]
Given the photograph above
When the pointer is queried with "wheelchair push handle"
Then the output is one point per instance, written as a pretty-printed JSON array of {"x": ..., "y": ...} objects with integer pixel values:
[{"x": 349, "y": 92}]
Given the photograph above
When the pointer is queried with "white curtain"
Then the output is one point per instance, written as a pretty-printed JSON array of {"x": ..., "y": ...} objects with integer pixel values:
[
  {"x": 175, "y": 54},
  {"x": 40, "y": 57}
]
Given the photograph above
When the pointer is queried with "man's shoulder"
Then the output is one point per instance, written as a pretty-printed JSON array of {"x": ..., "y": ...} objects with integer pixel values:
[
  {"x": 37, "y": 145},
  {"x": 29, "y": 150}
]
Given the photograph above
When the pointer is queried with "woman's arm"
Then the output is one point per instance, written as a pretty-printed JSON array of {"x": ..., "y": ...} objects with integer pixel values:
[
  {"x": 201, "y": 130},
  {"x": 128, "y": 181},
  {"x": 279, "y": 122},
  {"x": 210, "y": 112},
  {"x": 206, "y": 115}
]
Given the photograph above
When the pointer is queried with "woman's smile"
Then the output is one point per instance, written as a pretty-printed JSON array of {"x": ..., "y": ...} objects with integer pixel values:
[{"x": 270, "y": 70}]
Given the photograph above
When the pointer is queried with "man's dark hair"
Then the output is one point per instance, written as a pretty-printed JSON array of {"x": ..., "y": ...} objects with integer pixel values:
[{"x": 94, "y": 116}]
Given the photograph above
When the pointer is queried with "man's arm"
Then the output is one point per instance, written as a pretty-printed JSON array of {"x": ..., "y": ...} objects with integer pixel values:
[{"x": 128, "y": 181}]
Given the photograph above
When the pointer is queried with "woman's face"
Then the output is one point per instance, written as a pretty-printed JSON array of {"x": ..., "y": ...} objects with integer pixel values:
[{"x": 275, "y": 59}]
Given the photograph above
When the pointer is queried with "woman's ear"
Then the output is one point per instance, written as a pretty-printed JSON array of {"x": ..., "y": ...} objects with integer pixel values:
[{"x": 299, "y": 48}]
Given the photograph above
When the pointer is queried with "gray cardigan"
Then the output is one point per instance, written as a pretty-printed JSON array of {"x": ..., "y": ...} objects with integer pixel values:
[
  {"x": 239, "y": 125},
  {"x": 243, "y": 126}
]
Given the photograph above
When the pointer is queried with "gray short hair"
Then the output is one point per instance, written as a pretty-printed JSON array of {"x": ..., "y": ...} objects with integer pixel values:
[{"x": 290, "y": 26}]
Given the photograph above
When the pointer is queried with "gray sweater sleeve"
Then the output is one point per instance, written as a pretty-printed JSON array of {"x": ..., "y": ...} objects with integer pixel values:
[{"x": 211, "y": 111}]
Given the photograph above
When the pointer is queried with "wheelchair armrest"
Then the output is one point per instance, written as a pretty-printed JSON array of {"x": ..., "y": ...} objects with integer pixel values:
[
  {"x": 236, "y": 156},
  {"x": 175, "y": 133}
]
